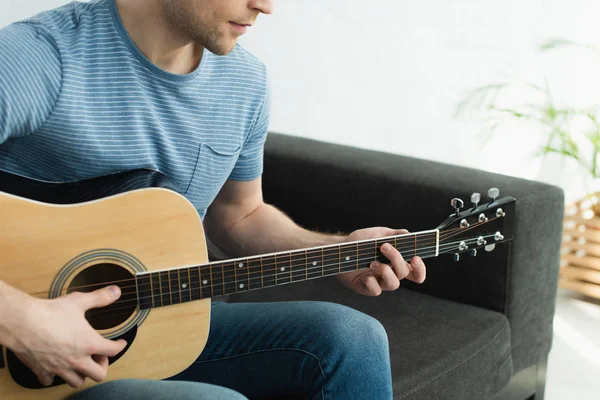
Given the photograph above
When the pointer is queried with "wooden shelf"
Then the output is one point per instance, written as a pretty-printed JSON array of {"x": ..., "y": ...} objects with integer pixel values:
[
  {"x": 587, "y": 261},
  {"x": 588, "y": 289},
  {"x": 581, "y": 274},
  {"x": 580, "y": 253},
  {"x": 574, "y": 246},
  {"x": 590, "y": 235}
]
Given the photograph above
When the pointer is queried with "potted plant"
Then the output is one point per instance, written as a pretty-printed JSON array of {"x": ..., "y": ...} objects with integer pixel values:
[{"x": 569, "y": 132}]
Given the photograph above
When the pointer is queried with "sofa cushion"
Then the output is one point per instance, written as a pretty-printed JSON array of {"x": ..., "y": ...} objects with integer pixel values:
[{"x": 439, "y": 349}]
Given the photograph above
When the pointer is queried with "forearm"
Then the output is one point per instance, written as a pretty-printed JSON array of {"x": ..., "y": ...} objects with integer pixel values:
[
  {"x": 8, "y": 313},
  {"x": 267, "y": 230}
]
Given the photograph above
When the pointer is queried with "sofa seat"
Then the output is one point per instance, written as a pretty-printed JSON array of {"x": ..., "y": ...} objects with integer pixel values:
[{"x": 438, "y": 348}]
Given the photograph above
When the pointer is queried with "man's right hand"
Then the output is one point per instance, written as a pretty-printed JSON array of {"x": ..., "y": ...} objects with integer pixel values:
[{"x": 52, "y": 337}]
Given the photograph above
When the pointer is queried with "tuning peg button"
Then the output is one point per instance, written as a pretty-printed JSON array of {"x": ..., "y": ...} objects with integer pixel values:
[
  {"x": 457, "y": 204},
  {"x": 475, "y": 199},
  {"x": 493, "y": 193}
]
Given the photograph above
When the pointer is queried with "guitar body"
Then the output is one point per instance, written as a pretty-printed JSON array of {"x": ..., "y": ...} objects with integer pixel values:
[
  {"x": 133, "y": 229},
  {"x": 125, "y": 223}
]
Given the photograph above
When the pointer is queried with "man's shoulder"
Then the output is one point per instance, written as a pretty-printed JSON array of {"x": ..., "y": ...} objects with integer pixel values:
[
  {"x": 241, "y": 53},
  {"x": 66, "y": 19},
  {"x": 242, "y": 59}
]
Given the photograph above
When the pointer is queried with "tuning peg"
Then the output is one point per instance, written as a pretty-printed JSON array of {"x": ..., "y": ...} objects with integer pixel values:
[
  {"x": 457, "y": 204},
  {"x": 493, "y": 193},
  {"x": 456, "y": 257},
  {"x": 475, "y": 199},
  {"x": 473, "y": 252},
  {"x": 490, "y": 247}
]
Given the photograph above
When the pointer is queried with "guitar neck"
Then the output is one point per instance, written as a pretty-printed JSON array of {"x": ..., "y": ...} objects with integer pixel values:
[{"x": 183, "y": 284}]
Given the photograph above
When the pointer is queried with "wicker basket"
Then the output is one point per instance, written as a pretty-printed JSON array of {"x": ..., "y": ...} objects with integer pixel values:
[{"x": 580, "y": 253}]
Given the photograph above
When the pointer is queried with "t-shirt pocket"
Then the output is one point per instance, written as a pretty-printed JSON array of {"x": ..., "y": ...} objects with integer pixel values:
[{"x": 213, "y": 167}]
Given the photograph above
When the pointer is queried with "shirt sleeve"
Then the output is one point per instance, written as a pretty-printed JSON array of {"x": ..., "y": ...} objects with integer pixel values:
[
  {"x": 249, "y": 165},
  {"x": 30, "y": 78}
]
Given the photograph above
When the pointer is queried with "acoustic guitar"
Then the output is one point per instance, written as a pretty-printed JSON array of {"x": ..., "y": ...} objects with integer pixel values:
[{"x": 135, "y": 230}]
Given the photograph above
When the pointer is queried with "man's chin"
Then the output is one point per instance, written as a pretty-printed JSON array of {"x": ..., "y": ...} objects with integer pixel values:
[{"x": 222, "y": 49}]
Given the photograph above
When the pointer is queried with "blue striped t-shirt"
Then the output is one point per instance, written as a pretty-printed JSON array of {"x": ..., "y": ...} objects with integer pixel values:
[{"x": 78, "y": 100}]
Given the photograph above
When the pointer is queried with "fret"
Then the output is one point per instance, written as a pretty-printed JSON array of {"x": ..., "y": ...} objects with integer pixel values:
[
  {"x": 174, "y": 286},
  {"x": 269, "y": 275},
  {"x": 414, "y": 253},
  {"x": 298, "y": 264},
  {"x": 314, "y": 264},
  {"x": 229, "y": 277},
  {"x": 235, "y": 275},
  {"x": 306, "y": 259},
  {"x": 143, "y": 291},
  {"x": 378, "y": 254},
  {"x": 165, "y": 290},
  {"x": 210, "y": 280},
  {"x": 428, "y": 244},
  {"x": 195, "y": 284},
  {"x": 357, "y": 258},
  {"x": 262, "y": 283},
  {"x": 189, "y": 281},
  {"x": 241, "y": 266},
  {"x": 184, "y": 283},
  {"x": 151, "y": 294},
  {"x": 348, "y": 258},
  {"x": 155, "y": 283},
  {"x": 254, "y": 274},
  {"x": 283, "y": 269},
  {"x": 206, "y": 285},
  {"x": 331, "y": 257},
  {"x": 217, "y": 278}
]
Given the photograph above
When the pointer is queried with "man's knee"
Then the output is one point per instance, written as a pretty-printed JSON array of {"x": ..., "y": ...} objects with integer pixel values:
[
  {"x": 351, "y": 331},
  {"x": 139, "y": 389}
]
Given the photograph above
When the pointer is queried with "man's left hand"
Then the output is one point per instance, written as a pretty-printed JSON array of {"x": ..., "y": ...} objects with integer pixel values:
[{"x": 379, "y": 276}]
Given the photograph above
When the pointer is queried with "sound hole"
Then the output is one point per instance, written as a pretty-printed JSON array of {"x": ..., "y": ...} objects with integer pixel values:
[{"x": 102, "y": 275}]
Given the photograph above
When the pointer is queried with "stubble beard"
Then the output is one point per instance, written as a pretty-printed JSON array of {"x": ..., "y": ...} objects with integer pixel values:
[{"x": 191, "y": 28}]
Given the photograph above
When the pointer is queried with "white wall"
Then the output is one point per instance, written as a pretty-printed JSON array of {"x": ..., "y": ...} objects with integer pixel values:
[{"x": 388, "y": 74}]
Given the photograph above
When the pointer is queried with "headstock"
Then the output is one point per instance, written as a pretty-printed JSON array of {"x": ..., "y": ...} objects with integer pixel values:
[{"x": 479, "y": 226}]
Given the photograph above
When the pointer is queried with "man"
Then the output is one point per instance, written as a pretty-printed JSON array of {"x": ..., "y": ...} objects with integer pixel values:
[{"x": 94, "y": 88}]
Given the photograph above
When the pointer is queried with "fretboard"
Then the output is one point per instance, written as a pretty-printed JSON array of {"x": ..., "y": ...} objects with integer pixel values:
[{"x": 183, "y": 284}]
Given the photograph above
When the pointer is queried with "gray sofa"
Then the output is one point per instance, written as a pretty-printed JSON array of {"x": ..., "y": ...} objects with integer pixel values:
[{"x": 480, "y": 328}]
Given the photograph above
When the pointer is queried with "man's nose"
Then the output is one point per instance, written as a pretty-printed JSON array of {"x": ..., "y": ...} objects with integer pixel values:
[{"x": 263, "y": 6}]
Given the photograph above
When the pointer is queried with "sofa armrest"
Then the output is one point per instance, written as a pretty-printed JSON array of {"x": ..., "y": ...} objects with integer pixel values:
[{"x": 335, "y": 188}]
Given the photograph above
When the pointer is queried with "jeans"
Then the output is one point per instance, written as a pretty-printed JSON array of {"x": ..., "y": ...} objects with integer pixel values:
[{"x": 325, "y": 350}]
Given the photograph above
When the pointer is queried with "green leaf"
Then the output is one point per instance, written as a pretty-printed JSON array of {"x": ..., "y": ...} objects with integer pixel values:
[{"x": 554, "y": 43}]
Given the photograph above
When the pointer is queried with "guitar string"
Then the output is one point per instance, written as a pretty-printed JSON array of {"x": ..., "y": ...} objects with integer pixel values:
[
  {"x": 310, "y": 253},
  {"x": 449, "y": 248},
  {"x": 232, "y": 267},
  {"x": 323, "y": 266},
  {"x": 110, "y": 312},
  {"x": 342, "y": 247}
]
